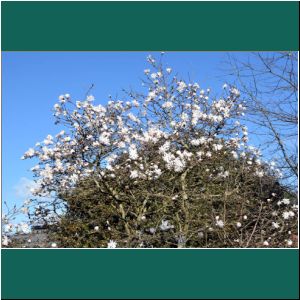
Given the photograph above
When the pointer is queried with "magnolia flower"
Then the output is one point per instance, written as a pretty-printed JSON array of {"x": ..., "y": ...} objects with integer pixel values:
[
  {"x": 234, "y": 154},
  {"x": 208, "y": 154},
  {"x": 112, "y": 244},
  {"x": 195, "y": 142},
  {"x": 169, "y": 70},
  {"x": 96, "y": 228},
  {"x": 224, "y": 174},
  {"x": 219, "y": 222},
  {"x": 238, "y": 224},
  {"x": 104, "y": 139},
  {"x": 30, "y": 152},
  {"x": 150, "y": 59},
  {"x": 165, "y": 225},
  {"x": 90, "y": 98},
  {"x": 24, "y": 228},
  {"x": 151, "y": 95},
  {"x": 8, "y": 227},
  {"x": 243, "y": 154},
  {"x": 235, "y": 92},
  {"x": 259, "y": 173},
  {"x": 184, "y": 117},
  {"x": 133, "y": 154},
  {"x": 285, "y": 201},
  {"x": 288, "y": 214},
  {"x": 135, "y": 103},
  {"x": 165, "y": 147},
  {"x": 5, "y": 240},
  {"x": 167, "y": 104},
  {"x": 275, "y": 225},
  {"x": 152, "y": 230},
  {"x": 217, "y": 147},
  {"x": 201, "y": 235},
  {"x": 53, "y": 245},
  {"x": 179, "y": 164},
  {"x": 181, "y": 86},
  {"x": 62, "y": 98},
  {"x": 159, "y": 74},
  {"x": 134, "y": 174}
]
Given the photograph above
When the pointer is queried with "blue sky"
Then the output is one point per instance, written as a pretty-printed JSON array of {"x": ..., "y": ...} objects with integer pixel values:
[{"x": 32, "y": 81}]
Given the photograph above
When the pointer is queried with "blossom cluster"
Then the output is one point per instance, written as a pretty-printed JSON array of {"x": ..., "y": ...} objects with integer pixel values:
[{"x": 178, "y": 120}]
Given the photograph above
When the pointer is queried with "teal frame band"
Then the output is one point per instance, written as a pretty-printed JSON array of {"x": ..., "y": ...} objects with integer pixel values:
[
  {"x": 150, "y": 274},
  {"x": 127, "y": 26}
]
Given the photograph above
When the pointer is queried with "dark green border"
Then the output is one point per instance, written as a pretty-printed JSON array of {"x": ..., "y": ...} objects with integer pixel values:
[
  {"x": 219, "y": 26},
  {"x": 150, "y": 274},
  {"x": 115, "y": 26}
]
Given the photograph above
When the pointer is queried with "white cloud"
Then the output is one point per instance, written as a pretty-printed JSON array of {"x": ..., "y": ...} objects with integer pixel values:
[{"x": 22, "y": 188}]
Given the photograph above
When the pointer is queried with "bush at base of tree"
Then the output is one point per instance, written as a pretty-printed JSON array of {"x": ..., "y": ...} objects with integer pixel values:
[{"x": 190, "y": 209}]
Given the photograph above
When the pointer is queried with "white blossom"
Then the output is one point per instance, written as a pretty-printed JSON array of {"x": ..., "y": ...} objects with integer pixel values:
[
  {"x": 5, "y": 240},
  {"x": 181, "y": 86},
  {"x": 112, "y": 244},
  {"x": 219, "y": 222},
  {"x": 134, "y": 174},
  {"x": 62, "y": 99},
  {"x": 288, "y": 214},
  {"x": 275, "y": 225},
  {"x": 133, "y": 154},
  {"x": 23, "y": 227},
  {"x": 104, "y": 139},
  {"x": 168, "y": 104},
  {"x": 217, "y": 147},
  {"x": 286, "y": 201},
  {"x": 30, "y": 153},
  {"x": 165, "y": 225}
]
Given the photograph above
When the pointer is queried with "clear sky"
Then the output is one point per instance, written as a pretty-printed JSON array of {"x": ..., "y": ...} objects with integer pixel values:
[{"x": 32, "y": 82}]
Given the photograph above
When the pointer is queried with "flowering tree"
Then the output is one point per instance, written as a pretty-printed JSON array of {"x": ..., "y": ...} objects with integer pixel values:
[
  {"x": 170, "y": 167},
  {"x": 7, "y": 222}
]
